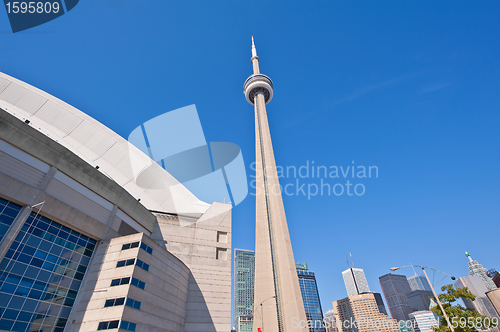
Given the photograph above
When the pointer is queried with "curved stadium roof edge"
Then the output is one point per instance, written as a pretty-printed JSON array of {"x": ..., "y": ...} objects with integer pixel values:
[{"x": 98, "y": 146}]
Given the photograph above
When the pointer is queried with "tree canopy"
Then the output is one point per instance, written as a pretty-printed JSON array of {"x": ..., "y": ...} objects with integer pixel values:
[{"x": 462, "y": 319}]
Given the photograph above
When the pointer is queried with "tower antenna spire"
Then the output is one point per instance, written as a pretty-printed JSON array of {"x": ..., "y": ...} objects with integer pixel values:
[
  {"x": 352, "y": 260},
  {"x": 254, "y": 50},
  {"x": 347, "y": 261},
  {"x": 255, "y": 60}
]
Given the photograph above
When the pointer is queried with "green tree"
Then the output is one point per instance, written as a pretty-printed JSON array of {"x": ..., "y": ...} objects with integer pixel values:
[{"x": 462, "y": 319}]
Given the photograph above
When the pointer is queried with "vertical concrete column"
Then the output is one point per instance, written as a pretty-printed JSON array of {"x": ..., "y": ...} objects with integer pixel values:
[
  {"x": 13, "y": 230},
  {"x": 110, "y": 221},
  {"x": 24, "y": 213}
]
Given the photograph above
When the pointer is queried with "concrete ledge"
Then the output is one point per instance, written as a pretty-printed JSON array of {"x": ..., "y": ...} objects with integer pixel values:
[{"x": 31, "y": 141}]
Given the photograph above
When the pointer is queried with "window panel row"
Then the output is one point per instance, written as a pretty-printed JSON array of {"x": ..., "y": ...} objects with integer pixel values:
[
  {"x": 121, "y": 301},
  {"x": 136, "y": 244}
]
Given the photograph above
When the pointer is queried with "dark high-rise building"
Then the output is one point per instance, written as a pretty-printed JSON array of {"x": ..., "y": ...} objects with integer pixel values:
[
  {"x": 380, "y": 303},
  {"x": 495, "y": 276},
  {"x": 244, "y": 279},
  {"x": 310, "y": 297},
  {"x": 395, "y": 288},
  {"x": 419, "y": 300},
  {"x": 496, "y": 279}
]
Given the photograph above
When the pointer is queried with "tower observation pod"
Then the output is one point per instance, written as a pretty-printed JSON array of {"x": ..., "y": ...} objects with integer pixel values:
[{"x": 278, "y": 305}]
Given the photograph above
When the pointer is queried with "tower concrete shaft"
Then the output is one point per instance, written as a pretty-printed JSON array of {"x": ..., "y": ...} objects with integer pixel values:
[{"x": 277, "y": 297}]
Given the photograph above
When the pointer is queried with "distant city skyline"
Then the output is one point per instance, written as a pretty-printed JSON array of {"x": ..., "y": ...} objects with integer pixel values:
[{"x": 415, "y": 281}]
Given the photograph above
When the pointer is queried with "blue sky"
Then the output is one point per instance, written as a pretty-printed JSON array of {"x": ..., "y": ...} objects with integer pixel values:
[{"x": 409, "y": 87}]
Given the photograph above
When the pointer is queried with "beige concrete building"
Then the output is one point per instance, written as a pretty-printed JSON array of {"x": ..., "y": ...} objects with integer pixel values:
[
  {"x": 360, "y": 313},
  {"x": 494, "y": 297},
  {"x": 478, "y": 288},
  {"x": 277, "y": 297},
  {"x": 84, "y": 246}
]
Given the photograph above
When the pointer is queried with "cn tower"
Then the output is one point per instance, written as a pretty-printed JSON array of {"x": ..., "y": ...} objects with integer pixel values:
[{"x": 278, "y": 305}]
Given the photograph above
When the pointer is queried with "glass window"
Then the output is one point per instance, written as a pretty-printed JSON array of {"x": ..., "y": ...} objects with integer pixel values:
[
  {"x": 128, "y": 325},
  {"x": 126, "y": 262},
  {"x": 147, "y": 248},
  {"x": 114, "y": 302},
  {"x": 130, "y": 245},
  {"x": 133, "y": 303},
  {"x": 113, "y": 324},
  {"x": 138, "y": 283},
  {"x": 122, "y": 281},
  {"x": 142, "y": 245},
  {"x": 34, "y": 267},
  {"x": 108, "y": 325},
  {"x": 142, "y": 265}
]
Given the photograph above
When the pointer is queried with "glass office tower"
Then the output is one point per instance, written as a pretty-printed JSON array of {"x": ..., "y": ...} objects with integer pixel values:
[
  {"x": 419, "y": 282},
  {"x": 41, "y": 274},
  {"x": 310, "y": 297},
  {"x": 244, "y": 277}
]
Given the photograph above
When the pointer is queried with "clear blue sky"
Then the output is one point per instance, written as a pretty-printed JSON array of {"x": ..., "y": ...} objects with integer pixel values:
[{"x": 410, "y": 87}]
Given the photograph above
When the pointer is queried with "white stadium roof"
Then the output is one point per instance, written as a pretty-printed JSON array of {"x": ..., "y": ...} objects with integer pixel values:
[{"x": 99, "y": 146}]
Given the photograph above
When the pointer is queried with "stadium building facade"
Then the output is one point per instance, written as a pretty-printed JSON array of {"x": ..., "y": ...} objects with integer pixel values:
[{"x": 88, "y": 241}]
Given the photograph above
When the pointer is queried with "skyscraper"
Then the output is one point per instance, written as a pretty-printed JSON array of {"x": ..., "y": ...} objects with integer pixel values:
[
  {"x": 476, "y": 286},
  {"x": 244, "y": 269},
  {"x": 395, "y": 287},
  {"x": 276, "y": 283},
  {"x": 419, "y": 282},
  {"x": 310, "y": 297},
  {"x": 355, "y": 281},
  {"x": 419, "y": 300},
  {"x": 361, "y": 313},
  {"x": 476, "y": 269},
  {"x": 420, "y": 296}
]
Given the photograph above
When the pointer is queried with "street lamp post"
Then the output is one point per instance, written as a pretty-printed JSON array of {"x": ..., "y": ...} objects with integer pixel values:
[
  {"x": 432, "y": 288},
  {"x": 262, "y": 311}
]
